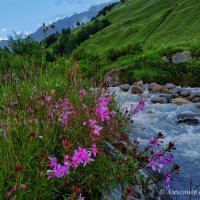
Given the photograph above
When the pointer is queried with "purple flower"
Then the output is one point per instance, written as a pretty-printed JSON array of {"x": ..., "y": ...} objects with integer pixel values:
[
  {"x": 81, "y": 156},
  {"x": 5, "y": 135},
  {"x": 53, "y": 162},
  {"x": 81, "y": 197},
  {"x": 168, "y": 159},
  {"x": 97, "y": 130},
  {"x": 48, "y": 99},
  {"x": 94, "y": 150},
  {"x": 113, "y": 113},
  {"x": 155, "y": 166},
  {"x": 167, "y": 178},
  {"x": 153, "y": 142},
  {"x": 140, "y": 107},
  {"x": 83, "y": 93}
]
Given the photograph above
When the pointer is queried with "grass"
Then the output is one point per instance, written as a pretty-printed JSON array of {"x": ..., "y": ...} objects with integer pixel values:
[{"x": 155, "y": 22}]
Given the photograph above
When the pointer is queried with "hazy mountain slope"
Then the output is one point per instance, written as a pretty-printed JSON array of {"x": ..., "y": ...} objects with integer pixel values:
[
  {"x": 68, "y": 22},
  {"x": 65, "y": 23},
  {"x": 157, "y": 22}
]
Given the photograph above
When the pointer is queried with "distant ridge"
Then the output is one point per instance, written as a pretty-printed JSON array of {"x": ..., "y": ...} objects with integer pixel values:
[{"x": 68, "y": 22}]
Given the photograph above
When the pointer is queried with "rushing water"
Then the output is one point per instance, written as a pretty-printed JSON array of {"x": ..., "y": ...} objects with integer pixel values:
[{"x": 162, "y": 118}]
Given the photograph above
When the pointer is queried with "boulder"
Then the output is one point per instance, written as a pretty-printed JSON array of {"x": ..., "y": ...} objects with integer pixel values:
[
  {"x": 160, "y": 100},
  {"x": 125, "y": 87},
  {"x": 170, "y": 86},
  {"x": 137, "y": 89},
  {"x": 188, "y": 118},
  {"x": 180, "y": 101},
  {"x": 112, "y": 78},
  {"x": 181, "y": 57}
]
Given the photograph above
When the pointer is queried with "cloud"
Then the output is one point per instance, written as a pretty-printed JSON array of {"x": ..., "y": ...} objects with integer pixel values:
[
  {"x": 3, "y": 38},
  {"x": 3, "y": 30}
]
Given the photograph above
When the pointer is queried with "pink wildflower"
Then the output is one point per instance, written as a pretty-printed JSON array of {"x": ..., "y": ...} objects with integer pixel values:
[
  {"x": 81, "y": 156},
  {"x": 155, "y": 166},
  {"x": 9, "y": 194},
  {"x": 81, "y": 197},
  {"x": 84, "y": 107},
  {"x": 53, "y": 162},
  {"x": 153, "y": 142},
  {"x": 97, "y": 130},
  {"x": 83, "y": 92},
  {"x": 113, "y": 113},
  {"x": 140, "y": 107},
  {"x": 102, "y": 109},
  {"x": 84, "y": 123},
  {"x": 167, "y": 179},
  {"x": 14, "y": 188},
  {"x": 92, "y": 123},
  {"x": 5, "y": 135},
  {"x": 23, "y": 186},
  {"x": 48, "y": 99},
  {"x": 94, "y": 150}
]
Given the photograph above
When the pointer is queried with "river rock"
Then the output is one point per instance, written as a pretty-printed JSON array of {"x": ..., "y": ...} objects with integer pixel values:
[
  {"x": 152, "y": 85},
  {"x": 176, "y": 90},
  {"x": 180, "y": 101},
  {"x": 168, "y": 97},
  {"x": 191, "y": 97},
  {"x": 166, "y": 91},
  {"x": 136, "y": 89},
  {"x": 186, "y": 93},
  {"x": 181, "y": 57},
  {"x": 140, "y": 83},
  {"x": 157, "y": 89},
  {"x": 188, "y": 118},
  {"x": 196, "y": 99},
  {"x": 161, "y": 100},
  {"x": 197, "y": 94},
  {"x": 170, "y": 86},
  {"x": 145, "y": 95},
  {"x": 125, "y": 87},
  {"x": 174, "y": 96}
]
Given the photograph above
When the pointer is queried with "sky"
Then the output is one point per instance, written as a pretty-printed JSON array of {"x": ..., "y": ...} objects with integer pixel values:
[{"x": 28, "y": 15}]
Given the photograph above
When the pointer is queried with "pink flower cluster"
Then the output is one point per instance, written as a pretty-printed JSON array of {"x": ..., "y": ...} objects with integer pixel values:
[
  {"x": 102, "y": 109},
  {"x": 63, "y": 110},
  {"x": 81, "y": 156},
  {"x": 95, "y": 127},
  {"x": 160, "y": 159}
]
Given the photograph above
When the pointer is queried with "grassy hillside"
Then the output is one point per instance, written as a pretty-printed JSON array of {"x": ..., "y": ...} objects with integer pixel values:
[
  {"x": 156, "y": 22},
  {"x": 135, "y": 35}
]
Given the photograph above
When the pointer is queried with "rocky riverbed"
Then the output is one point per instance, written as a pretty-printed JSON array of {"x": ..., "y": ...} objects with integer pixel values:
[{"x": 175, "y": 111}]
